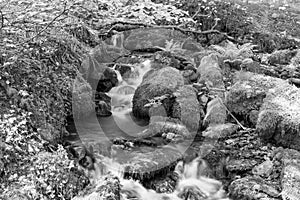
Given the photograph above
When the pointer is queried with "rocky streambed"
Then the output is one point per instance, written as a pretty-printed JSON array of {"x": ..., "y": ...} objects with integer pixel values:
[{"x": 149, "y": 99}]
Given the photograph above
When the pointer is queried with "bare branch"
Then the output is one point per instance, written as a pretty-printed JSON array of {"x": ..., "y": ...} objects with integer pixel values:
[
  {"x": 47, "y": 26},
  {"x": 207, "y": 32}
]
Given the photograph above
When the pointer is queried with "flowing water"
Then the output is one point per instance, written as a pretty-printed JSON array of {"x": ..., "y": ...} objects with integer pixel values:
[
  {"x": 191, "y": 177},
  {"x": 123, "y": 124}
]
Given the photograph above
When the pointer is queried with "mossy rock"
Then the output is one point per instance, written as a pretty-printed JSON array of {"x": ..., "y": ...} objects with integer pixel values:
[
  {"x": 156, "y": 83},
  {"x": 211, "y": 73},
  {"x": 244, "y": 189},
  {"x": 187, "y": 107},
  {"x": 158, "y": 37},
  {"x": 279, "y": 117},
  {"x": 149, "y": 163},
  {"x": 247, "y": 94}
]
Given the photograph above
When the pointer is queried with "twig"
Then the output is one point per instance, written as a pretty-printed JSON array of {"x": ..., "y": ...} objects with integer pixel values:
[
  {"x": 173, "y": 27},
  {"x": 2, "y": 19},
  {"x": 237, "y": 121},
  {"x": 47, "y": 26},
  {"x": 216, "y": 23}
]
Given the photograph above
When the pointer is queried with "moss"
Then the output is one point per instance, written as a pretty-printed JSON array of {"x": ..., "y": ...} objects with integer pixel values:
[
  {"x": 279, "y": 118},
  {"x": 187, "y": 107},
  {"x": 156, "y": 83},
  {"x": 247, "y": 94}
]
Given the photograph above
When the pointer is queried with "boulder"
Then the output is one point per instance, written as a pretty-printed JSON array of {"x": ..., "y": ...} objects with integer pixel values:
[
  {"x": 215, "y": 113},
  {"x": 95, "y": 71},
  {"x": 281, "y": 57},
  {"x": 290, "y": 178},
  {"x": 148, "y": 162},
  {"x": 155, "y": 37},
  {"x": 156, "y": 83},
  {"x": 211, "y": 73},
  {"x": 253, "y": 188},
  {"x": 107, "y": 187},
  {"x": 279, "y": 117},
  {"x": 163, "y": 125},
  {"x": 220, "y": 130},
  {"x": 103, "y": 104},
  {"x": 187, "y": 108},
  {"x": 246, "y": 96}
]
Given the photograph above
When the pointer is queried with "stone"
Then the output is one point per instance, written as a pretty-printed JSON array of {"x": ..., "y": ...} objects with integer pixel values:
[
  {"x": 103, "y": 104},
  {"x": 281, "y": 57},
  {"x": 290, "y": 179},
  {"x": 161, "y": 125},
  {"x": 156, "y": 83},
  {"x": 250, "y": 65},
  {"x": 152, "y": 37},
  {"x": 252, "y": 188},
  {"x": 187, "y": 108},
  {"x": 279, "y": 117},
  {"x": 264, "y": 169},
  {"x": 240, "y": 165},
  {"x": 107, "y": 80},
  {"x": 215, "y": 113},
  {"x": 95, "y": 71},
  {"x": 211, "y": 73},
  {"x": 107, "y": 187},
  {"x": 189, "y": 76},
  {"x": 220, "y": 130},
  {"x": 245, "y": 97},
  {"x": 146, "y": 163}
]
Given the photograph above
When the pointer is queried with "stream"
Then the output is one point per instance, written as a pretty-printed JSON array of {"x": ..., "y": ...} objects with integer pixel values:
[{"x": 99, "y": 132}]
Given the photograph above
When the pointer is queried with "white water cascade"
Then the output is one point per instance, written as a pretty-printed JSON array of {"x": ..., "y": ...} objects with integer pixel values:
[
  {"x": 122, "y": 96},
  {"x": 191, "y": 176}
]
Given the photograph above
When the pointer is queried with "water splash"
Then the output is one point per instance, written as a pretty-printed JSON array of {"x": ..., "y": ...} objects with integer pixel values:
[
  {"x": 190, "y": 177},
  {"x": 122, "y": 96}
]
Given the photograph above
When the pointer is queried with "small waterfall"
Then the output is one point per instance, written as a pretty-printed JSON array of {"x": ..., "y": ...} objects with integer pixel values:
[
  {"x": 122, "y": 96},
  {"x": 190, "y": 177}
]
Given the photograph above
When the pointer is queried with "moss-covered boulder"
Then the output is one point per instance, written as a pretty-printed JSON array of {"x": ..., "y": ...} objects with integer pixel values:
[
  {"x": 149, "y": 162},
  {"x": 279, "y": 117},
  {"x": 253, "y": 188},
  {"x": 158, "y": 37},
  {"x": 156, "y": 83},
  {"x": 187, "y": 107},
  {"x": 211, "y": 73},
  {"x": 281, "y": 57},
  {"x": 107, "y": 187},
  {"x": 215, "y": 113},
  {"x": 245, "y": 97}
]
